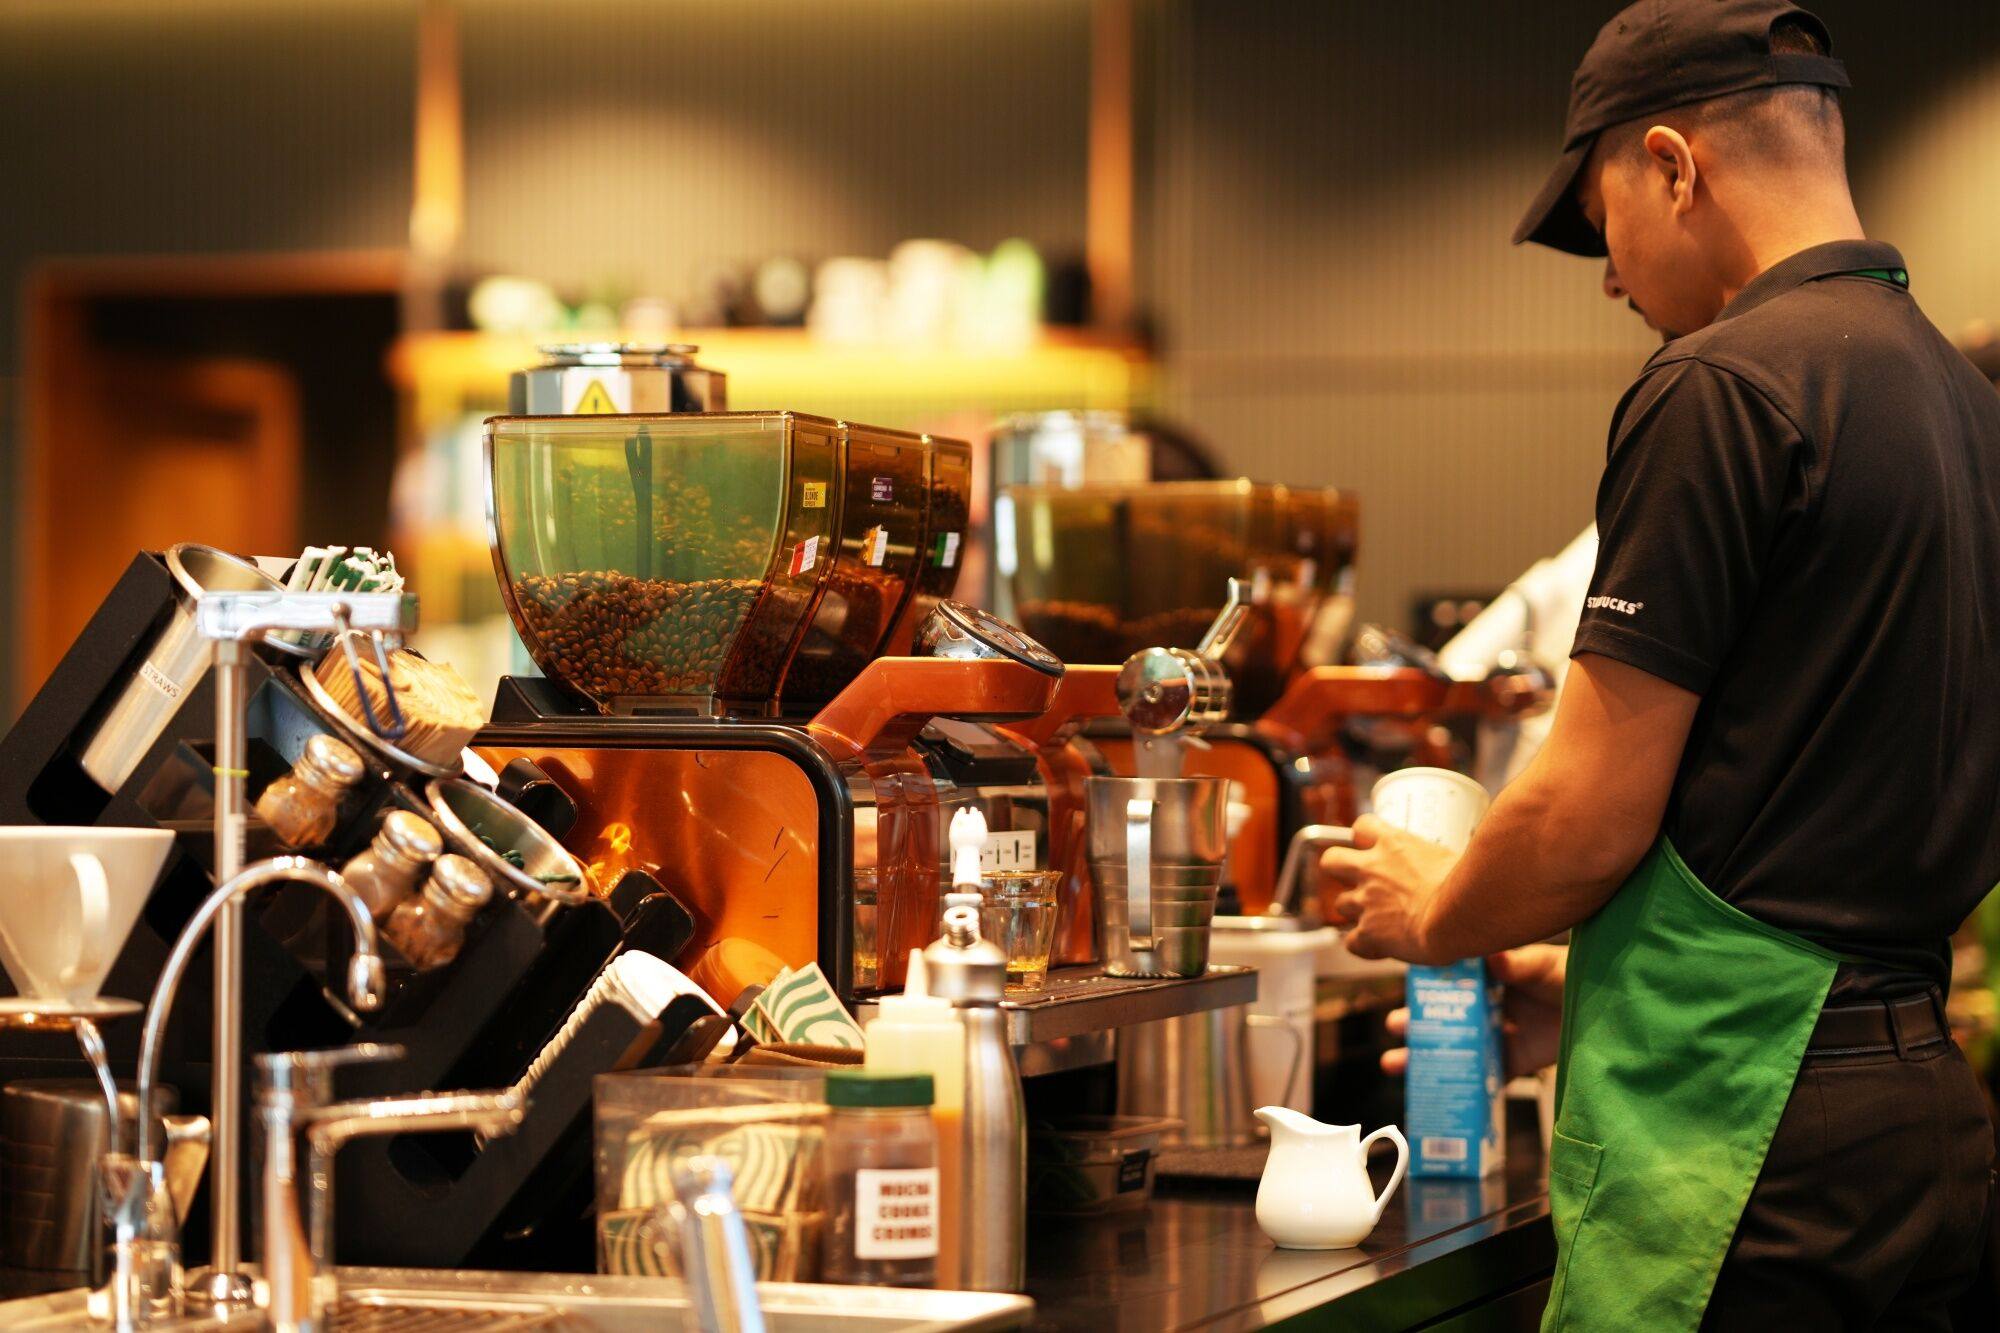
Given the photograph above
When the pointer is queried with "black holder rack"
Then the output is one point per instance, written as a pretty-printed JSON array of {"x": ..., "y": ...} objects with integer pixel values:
[{"x": 484, "y": 1015}]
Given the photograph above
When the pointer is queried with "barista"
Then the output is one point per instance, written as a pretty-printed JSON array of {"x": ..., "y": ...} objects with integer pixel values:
[{"x": 1769, "y": 795}]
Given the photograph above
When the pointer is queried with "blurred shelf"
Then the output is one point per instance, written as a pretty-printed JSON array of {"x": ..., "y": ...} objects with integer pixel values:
[{"x": 444, "y": 374}]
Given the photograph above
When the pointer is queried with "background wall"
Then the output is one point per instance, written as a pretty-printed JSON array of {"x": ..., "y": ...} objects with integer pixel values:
[
  {"x": 647, "y": 143},
  {"x": 1332, "y": 191},
  {"x": 1326, "y": 194}
]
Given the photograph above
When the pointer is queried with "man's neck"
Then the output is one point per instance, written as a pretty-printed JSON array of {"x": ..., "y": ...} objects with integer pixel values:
[{"x": 1780, "y": 233}]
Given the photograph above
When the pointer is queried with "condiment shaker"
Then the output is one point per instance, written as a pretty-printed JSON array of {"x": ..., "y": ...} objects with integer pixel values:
[
  {"x": 303, "y": 806},
  {"x": 993, "y": 1205},
  {"x": 387, "y": 871},
  {"x": 429, "y": 929}
]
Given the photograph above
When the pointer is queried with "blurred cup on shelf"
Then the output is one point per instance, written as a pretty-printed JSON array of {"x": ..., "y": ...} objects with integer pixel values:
[{"x": 1017, "y": 911}]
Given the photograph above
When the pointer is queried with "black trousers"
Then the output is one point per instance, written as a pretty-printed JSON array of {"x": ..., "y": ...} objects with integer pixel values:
[{"x": 1872, "y": 1208}]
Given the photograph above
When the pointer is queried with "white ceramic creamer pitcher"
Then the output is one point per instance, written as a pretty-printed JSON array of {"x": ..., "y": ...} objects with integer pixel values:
[{"x": 1315, "y": 1194}]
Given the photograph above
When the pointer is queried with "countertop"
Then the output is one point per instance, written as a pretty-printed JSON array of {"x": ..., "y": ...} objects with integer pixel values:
[{"x": 1195, "y": 1258}]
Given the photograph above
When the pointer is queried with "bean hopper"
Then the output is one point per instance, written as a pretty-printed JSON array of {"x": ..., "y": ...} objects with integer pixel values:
[
  {"x": 1133, "y": 578},
  {"x": 752, "y": 685}
]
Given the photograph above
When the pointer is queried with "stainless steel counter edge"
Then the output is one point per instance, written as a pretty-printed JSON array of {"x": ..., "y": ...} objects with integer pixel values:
[{"x": 1083, "y": 1000}]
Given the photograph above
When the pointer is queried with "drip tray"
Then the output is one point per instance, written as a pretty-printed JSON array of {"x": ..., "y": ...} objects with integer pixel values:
[
  {"x": 1075, "y": 1001},
  {"x": 351, "y": 1316}
]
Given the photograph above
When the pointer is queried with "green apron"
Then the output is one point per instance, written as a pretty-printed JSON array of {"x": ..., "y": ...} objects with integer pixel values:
[{"x": 1684, "y": 1023}]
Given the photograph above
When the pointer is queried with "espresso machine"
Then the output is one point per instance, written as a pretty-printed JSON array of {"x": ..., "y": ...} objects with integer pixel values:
[{"x": 753, "y": 686}]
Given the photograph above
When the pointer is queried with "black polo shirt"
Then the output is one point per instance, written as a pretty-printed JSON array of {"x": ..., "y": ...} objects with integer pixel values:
[{"x": 1800, "y": 521}]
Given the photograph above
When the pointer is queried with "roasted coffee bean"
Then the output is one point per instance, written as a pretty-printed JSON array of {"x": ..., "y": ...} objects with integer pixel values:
[{"x": 609, "y": 634}]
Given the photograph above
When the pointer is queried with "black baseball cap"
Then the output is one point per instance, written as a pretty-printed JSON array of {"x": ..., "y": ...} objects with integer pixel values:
[{"x": 1656, "y": 55}]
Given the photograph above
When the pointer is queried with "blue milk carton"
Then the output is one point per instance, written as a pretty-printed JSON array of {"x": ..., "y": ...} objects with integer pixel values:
[{"x": 1455, "y": 1101}]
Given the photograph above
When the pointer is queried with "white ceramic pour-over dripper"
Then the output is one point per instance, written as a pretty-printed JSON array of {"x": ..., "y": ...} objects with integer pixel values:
[{"x": 68, "y": 899}]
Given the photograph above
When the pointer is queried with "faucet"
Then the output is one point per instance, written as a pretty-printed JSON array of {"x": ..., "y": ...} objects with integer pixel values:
[
  {"x": 714, "y": 1248},
  {"x": 294, "y": 1099},
  {"x": 365, "y": 987}
]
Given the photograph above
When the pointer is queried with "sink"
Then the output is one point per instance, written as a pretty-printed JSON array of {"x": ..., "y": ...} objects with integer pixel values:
[{"x": 387, "y": 1300}]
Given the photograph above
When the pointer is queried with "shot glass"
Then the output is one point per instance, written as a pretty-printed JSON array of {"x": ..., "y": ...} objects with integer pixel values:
[
  {"x": 1017, "y": 911},
  {"x": 867, "y": 947}
]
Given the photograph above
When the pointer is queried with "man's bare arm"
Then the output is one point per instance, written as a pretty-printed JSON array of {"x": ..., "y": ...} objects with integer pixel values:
[{"x": 1556, "y": 844}]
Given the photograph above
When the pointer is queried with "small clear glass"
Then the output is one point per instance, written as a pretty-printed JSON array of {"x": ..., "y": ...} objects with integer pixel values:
[
  {"x": 1017, "y": 911},
  {"x": 867, "y": 948},
  {"x": 145, "y": 1281}
]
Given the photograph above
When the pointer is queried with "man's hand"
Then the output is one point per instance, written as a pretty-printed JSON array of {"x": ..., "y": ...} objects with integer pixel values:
[
  {"x": 1391, "y": 877},
  {"x": 1557, "y": 843},
  {"x": 1533, "y": 977}
]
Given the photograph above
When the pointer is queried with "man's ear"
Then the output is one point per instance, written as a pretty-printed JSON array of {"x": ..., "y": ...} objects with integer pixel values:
[{"x": 1668, "y": 153}]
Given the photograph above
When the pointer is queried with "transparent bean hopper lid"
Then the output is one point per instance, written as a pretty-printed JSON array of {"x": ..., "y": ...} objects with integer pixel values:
[
  {"x": 708, "y": 563},
  {"x": 1100, "y": 572}
]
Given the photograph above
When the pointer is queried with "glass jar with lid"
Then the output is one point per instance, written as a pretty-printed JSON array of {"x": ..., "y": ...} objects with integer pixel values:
[
  {"x": 303, "y": 806},
  {"x": 387, "y": 872},
  {"x": 429, "y": 928},
  {"x": 882, "y": 1201}
]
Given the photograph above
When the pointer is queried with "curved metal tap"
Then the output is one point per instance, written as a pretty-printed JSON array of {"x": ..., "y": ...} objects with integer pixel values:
[{"x": 366, "y": 980}]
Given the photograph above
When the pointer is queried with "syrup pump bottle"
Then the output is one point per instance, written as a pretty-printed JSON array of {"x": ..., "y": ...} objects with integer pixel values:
[{"x": 993, "y": 1205}]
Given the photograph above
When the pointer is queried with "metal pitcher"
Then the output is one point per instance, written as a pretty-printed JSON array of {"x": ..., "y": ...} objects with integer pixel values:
[
  {"x": 1195, "y": 1069},
  {"x": 1156, "y": 849}
]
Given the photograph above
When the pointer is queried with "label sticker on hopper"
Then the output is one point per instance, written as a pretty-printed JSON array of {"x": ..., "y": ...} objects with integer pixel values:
[
  {"x": 815, "y": 495},
  {"x": 882, "y": 489},
  {"x": 595, "y": 392},
  {"x": 805, "y": 555},
  {"x": 875, "y": 545},
  {"x": 1008, "y": 850},
  {"x": 947, "y": 549}
]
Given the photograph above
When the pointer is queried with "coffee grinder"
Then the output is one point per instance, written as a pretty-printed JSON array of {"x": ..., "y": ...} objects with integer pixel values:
[{"x": 709, "y": 597}]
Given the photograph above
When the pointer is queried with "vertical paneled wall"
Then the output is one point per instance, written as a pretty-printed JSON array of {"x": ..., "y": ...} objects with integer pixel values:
[
  {"x": 1331, "y": 190},
  {"x": 641, "y": 145}
]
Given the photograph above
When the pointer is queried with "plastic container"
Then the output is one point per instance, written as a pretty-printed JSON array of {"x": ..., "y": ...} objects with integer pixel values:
[
  {"x": 883, "y": 1207},
  {"x": 645, "y": 1122},
  {"x": 1093, "y": 1164},
  {"x": 669, "y": 562}
]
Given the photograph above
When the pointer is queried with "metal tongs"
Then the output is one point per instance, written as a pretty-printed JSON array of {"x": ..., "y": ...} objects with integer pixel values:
[{"x": 344, "y": 634}]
